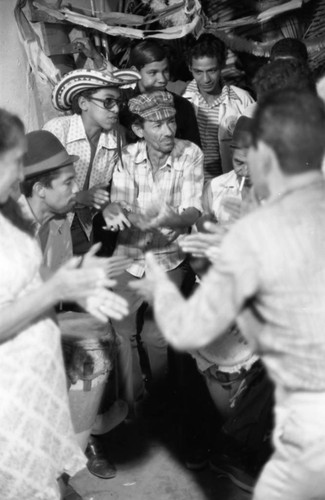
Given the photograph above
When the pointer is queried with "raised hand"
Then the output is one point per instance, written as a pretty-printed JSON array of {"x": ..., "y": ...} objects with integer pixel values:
[
  {"x": 72, "y": 282},
  {"x": 115, "y": 217},
  {"x": 200, "y": 244},
  {"x": 113, "y": 266},
  {"x": 95, "y": 197},
  {"x": 104, "y": 304}
]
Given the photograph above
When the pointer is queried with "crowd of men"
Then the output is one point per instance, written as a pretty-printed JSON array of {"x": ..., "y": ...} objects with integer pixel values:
[{"x": 212, "y": 206}]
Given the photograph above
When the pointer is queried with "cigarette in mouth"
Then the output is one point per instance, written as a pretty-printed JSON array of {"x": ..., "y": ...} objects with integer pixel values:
[{"x": 242, "y": 182}]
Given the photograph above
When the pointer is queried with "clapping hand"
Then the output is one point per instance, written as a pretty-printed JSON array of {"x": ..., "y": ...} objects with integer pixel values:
[
  {"x": 113, "y": 266},
  {"x": 115, "y": 217},
  {"x": 104, "y": 304},
  {"x": 95, "y": 197},
  {"x": 200, "y": 244}
]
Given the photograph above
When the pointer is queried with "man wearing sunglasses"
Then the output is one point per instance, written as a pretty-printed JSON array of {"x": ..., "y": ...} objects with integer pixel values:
[{"x": 91, "y": 133}]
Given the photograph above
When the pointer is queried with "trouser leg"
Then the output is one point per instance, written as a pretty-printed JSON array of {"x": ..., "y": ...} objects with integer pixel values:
[
  {"x": 296, "y": 468},
  {"x": 129, "y": 368},
  {"x": 154, "y": 342}
]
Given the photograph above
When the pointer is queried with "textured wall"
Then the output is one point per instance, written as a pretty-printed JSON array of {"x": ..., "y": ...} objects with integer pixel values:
[{"x": 16, "y": 83}]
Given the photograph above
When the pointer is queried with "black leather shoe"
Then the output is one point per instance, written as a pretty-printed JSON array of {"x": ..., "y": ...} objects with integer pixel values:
[{"x": 98, "y": 465}]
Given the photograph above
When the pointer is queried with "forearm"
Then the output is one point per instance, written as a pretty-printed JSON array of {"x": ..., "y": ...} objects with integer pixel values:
[
  {"x": 195, "y": 322},
  {"x": 23, "y": 311},
  {"x": 182, "y": 221}
]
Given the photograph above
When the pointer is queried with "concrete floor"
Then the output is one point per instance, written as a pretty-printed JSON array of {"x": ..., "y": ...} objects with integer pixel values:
[{"x": 149, "y": 468}]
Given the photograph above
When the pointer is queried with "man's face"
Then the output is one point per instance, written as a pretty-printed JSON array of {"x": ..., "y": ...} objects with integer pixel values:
[
  {"x": 239, "y": 163},
  {"x": 154, "y": 76},
  {"x": 60, "y": 197},
  {"x": 11, "y": 171},
  {"x": 160, "y": 135},
  {"x": 206, "y": 73},
  {"x": 97, "y": 115}
]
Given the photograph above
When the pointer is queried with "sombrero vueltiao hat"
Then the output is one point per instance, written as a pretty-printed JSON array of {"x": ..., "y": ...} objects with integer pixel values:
[
  {"x": 78, "y": 80},
  {"x": 128, "y": 75}
]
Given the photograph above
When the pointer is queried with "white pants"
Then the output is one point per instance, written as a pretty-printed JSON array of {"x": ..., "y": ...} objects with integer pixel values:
[{"x": 296, "y": 470}]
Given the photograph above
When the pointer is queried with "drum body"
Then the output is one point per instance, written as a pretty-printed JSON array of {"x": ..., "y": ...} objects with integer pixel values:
[{"x": 89, "y": 351}]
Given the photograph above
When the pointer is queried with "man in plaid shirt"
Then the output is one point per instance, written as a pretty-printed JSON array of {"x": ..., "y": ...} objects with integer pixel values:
[{"x": 155, "y": 199}]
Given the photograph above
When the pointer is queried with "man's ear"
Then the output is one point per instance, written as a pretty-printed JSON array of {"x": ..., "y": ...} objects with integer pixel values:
[
  {"x": 138, "y": 130},
  {"x": 269, "y": 160},
  {"x": 83, "y": 103},
  {"x": 39, "y": 189}
]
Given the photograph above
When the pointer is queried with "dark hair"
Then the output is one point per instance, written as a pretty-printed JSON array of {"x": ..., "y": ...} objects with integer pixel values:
[
  {"x": 11, "y": 130},
  {"x": 281, "y": 74},
  {"x": 146, "y": 52},
  {"x": 13, "y": 212},
  {"x": 292, "y": 123},
  {"x": 289, "y": 48},
  {"x": 87, "y": 94},
  {"x": 44, "y": 179},
  {"x": 207, "y": 45}
]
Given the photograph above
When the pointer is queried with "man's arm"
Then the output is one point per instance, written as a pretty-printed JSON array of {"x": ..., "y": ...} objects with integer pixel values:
[{"x": 228, "y": 285}]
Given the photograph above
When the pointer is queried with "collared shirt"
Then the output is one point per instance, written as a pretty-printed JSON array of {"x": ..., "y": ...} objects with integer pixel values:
[
  {"x": 71, "y": 132},
  {"x": 179, "y": 183},
  {"x": 270, "y": 278},
  {"x": 216, "y": 124},
  {"x": 221, "y": 187},
  {"x": 54, "y": 237}
]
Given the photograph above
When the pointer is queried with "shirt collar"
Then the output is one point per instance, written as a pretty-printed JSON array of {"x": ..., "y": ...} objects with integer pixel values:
[
  {"x": 77, "y": 132},
  {"x": 142, "y": 157},
  {"x": 192, "y": 87}
]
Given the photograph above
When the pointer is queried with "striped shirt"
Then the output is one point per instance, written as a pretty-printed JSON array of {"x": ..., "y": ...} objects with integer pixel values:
[
  {"x": 178, "y": 183},
  {"x": 216, "y": 123}
]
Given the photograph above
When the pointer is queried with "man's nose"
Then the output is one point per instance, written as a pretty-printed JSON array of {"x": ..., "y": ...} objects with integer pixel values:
[
  {"x": 206, "y": 78},
  {"x": 168, "y": 130},
  {"x": 115, "y": 108},
  {"x": 162, "y": 78},
  {"x": 75, "y": 187}
]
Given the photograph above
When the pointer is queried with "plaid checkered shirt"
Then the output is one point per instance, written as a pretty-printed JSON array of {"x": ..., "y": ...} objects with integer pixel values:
[{"x": 179, "y": 183}]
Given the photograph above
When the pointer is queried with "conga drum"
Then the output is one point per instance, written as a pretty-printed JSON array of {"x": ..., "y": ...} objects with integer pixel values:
[{"x": 89, "y": 350}]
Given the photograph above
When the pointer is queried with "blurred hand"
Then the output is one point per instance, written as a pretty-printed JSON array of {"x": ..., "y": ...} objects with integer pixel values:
[
  {"x": 116, "y": 265},
  {"x": 154, "y": 275},
  {"x": 104, "y": 304},
  {"x": 115, "y": 217},
  {"x": 167, "y": 217},
  {"x": 233, "y": 206},
  {"x": 113, "y": 266},
  {"x": 72, "y": 282},
  {"x": 95, "y": 197},
  {"x": 199, "y": 244}
]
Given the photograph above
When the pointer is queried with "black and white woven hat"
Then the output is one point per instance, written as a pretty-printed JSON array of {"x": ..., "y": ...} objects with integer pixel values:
[{"x": 78, "y": 80}]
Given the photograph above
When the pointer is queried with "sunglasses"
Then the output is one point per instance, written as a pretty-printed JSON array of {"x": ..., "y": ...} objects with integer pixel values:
[{"x": 109, "y": 102}]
